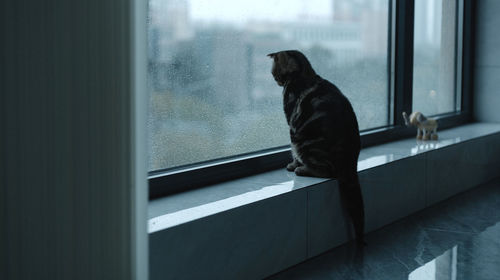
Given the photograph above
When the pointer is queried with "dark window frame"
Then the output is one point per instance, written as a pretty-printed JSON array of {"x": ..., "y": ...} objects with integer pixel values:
[{"x": 401, "y": 25}]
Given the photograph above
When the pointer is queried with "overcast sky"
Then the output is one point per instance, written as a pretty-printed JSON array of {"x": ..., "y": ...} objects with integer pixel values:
[{"x": 242, "y": 11}]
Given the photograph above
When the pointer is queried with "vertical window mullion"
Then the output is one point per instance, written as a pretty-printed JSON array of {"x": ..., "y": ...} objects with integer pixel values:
[
  {"x": 459, "y": 54},
  {"x": 391, "y": 51},
  {"x": 467, "y": 56},
  {"x": 403, "y": 59}
]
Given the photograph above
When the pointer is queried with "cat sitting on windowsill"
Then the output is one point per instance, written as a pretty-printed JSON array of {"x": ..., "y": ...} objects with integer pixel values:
[{"x": 324, "y": 130}]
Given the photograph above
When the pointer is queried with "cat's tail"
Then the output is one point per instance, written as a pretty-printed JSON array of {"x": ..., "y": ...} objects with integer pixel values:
[{"x": 350, "y": 191}]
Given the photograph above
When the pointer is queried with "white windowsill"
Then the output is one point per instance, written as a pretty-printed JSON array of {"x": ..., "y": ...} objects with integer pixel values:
[{"x": 185, "y": 207}]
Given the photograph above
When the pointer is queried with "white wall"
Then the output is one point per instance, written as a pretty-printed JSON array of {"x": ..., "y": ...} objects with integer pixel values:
[
  {"x": 73, "y": 187},
  {"x": 487, "y": 61}
]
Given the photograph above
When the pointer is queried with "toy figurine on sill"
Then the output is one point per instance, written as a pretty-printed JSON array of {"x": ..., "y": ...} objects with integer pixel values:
[{"x": 426, "y": 127}]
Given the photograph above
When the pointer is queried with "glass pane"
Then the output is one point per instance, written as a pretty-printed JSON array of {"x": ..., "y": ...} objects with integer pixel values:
[
  {"x": 434, "y": 64},
  {"x": 212, "y": 92}
]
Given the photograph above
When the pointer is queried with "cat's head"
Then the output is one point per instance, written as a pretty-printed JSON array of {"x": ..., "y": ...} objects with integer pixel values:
[{"x": 289, "y": 65}]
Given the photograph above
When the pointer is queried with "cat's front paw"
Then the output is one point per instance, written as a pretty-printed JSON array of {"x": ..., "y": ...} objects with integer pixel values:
[
  {"x": 311, "y": 172},
  {"x": 302, "y": 171},
  {"x": 291, "y": 166}
]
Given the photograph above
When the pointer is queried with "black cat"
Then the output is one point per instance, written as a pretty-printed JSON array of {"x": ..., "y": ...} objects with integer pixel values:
[{"x": 323, "y": 130}]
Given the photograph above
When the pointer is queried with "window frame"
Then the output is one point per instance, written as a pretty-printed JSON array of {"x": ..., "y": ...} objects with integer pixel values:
[{"x": 400, "y": 48}]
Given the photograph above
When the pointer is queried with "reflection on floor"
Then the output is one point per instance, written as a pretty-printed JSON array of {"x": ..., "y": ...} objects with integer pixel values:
[{"x": 456, "y": 239}]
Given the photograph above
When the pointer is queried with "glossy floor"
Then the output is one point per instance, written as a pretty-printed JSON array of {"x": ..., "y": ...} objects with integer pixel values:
[{"x": 456, "y": 239}]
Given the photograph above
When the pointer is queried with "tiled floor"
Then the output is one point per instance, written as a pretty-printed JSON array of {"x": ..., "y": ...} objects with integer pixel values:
[{"x": 456, "y": 239}]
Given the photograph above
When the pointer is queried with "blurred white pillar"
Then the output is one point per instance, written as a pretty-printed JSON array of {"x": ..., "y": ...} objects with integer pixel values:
[{"x": 73, "y": 187}]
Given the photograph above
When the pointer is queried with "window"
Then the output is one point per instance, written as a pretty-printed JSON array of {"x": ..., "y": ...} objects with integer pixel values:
[
  {"x": 216, "y": 112},
  {"x": 212, "y": 94},
  {"x": 435, "y": 53}
]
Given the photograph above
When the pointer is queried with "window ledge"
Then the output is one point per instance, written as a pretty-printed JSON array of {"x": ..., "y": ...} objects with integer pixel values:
[
  {"x": 254, "y": 227},
  {"x": 185, "y": 207}
]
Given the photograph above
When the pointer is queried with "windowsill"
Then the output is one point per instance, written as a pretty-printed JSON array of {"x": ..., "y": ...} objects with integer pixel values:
[{"x": 185, "y": 207}]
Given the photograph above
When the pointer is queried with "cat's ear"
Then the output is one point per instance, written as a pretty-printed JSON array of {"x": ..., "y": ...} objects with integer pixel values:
[
  {"x": 287, "y": 63},
  {"x": 291, "y": 64}
]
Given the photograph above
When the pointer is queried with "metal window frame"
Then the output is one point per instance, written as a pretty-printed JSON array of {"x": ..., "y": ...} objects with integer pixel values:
[{"x": 400, "y": 48}]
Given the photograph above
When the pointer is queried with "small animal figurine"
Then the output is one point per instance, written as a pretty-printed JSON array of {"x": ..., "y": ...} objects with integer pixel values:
[{"x": 426, "y": 127}]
